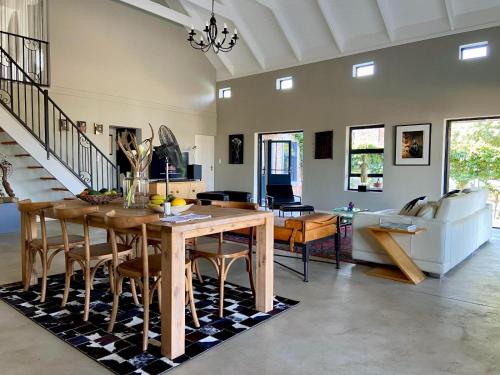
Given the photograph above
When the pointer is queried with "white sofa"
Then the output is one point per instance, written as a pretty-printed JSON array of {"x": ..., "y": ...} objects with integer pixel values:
[{"x": 460, "y": 226}]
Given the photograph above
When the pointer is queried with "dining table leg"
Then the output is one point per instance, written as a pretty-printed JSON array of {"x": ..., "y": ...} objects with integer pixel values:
[
  {"x": 172, "y": 294},
  {"x": 28, "y": 223},
  {"x": 265, "y": 267}
]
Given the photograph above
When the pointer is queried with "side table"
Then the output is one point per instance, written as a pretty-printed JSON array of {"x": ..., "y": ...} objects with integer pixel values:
[{"x": 408, "y": 271}]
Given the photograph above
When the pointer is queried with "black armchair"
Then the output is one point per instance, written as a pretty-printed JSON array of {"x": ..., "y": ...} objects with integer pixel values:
[{"x": 281, "y": 195}]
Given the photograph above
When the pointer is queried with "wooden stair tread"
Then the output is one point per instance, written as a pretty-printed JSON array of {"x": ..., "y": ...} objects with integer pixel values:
[
  {"x": 21, "y": 155},
  {"x": 48, "y": 178},
  {"x": 35, "y": 167},
  {"x": 7, "y": 143},
  {"x": 60, "y": 189}
]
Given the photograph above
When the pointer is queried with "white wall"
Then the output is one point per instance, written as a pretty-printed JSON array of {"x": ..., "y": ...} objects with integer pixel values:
[
  {"x": 115, "y": 65},
  {"x": 414, "y": 83}
]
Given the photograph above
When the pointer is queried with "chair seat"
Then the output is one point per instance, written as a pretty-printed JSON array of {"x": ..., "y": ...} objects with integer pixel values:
[
  {"x": 227, "y": 250},
  {"x": 57, "y": 242},
  {"x": 99, "y": 251},
  {"x": 135, "y": 267}
]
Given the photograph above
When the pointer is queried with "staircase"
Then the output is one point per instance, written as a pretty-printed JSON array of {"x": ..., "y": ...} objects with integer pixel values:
[{"x": 40, "y": 131}]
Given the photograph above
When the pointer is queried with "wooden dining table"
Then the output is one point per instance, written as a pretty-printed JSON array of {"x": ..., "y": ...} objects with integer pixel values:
[{"x": 173, "y": 238}]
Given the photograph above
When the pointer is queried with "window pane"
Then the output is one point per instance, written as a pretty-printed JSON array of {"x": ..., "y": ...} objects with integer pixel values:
[
  {"x": 374, "y": 183},
  {"x": 362, "y": 71},
  {"x": 472, "y": 52},
  {"x": 280, "y": 162},
  {"x": 374, "y": 163},
  {"x": 286, "y": 84},
  {"x": 367, "y": 138}
]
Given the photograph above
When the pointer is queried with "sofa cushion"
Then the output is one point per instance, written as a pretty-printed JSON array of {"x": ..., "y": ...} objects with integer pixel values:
[{"x": 460, "y": 206}]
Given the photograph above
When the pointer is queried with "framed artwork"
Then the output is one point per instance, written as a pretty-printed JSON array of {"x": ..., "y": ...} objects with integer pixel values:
[
  {"x": 82, "y": 126},
  {"x": 236, "y": 149},
  {"x": 413, "y": 144},
  {"x": 323, "y": 145},
  {"x": 98, "y": 129},
  {"x": 63, "y": 125}
]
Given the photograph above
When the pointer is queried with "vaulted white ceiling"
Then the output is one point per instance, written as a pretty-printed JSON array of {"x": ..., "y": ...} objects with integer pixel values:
[{"x": 282, "y": 33}]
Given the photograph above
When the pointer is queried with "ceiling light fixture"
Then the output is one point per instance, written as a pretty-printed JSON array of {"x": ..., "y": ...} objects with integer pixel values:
[{"x": 213, "y": 42}]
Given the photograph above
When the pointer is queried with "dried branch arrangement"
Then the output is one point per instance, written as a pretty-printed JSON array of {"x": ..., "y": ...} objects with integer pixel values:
[{"x": 139, "y": 155}]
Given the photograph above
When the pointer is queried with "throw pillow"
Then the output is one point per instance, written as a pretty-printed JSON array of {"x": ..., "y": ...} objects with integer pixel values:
[
  {"x": 428, "y": 211},
  {"x": 412, "y": 207},
  {"x": 451, "y": 193}
]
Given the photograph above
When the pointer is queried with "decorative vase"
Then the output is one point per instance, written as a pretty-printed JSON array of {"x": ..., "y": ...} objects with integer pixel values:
[{"x": 136, "y": 191}]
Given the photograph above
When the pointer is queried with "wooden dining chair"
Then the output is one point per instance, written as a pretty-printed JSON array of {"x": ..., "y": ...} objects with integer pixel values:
[
  {"x": 218, "y": 255},
  {"x": 47, "y": 247},
  {"x": 87, "y": 255},
  {"x": 142, "y": 270}
]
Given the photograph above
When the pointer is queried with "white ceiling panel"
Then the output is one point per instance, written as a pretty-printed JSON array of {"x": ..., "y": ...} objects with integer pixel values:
[
  {"x": 283, "y": 33},
  {"x": 359, "y": 23},
  {"x": 470, "y": 13}
]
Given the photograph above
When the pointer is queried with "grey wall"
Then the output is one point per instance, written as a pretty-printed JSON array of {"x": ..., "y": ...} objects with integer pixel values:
[{"x": 414, "y": 83}]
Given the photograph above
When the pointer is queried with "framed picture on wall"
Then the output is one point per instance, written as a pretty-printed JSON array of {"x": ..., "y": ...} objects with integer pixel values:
[
  {"x": 98, "y": 129},
  {"x": 63, "y": 125},
  {"x": 323, "y": 146},
  {"x": 82, "y": 126},
  {"x": 236, "y": 148},
  {"x": 413, "y": 144}
]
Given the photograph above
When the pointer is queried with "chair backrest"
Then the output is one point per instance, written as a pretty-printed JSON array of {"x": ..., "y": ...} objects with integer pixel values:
[
  {"x": 64, "y": 213},
  {"x": 280, "y": 191},
  {"x": 29, "y": 211},
  {"x": 241, "y": 205},
  {"x": 121, "y": 222},
  {"x": 232, "y": 204}
]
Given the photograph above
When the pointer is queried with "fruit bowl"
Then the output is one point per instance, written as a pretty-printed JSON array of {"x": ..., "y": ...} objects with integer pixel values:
[{"x": 98, "y": 199}]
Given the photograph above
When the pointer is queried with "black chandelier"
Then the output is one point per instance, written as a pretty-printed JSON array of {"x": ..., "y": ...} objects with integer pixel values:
[{"x": 211, "y": 34}]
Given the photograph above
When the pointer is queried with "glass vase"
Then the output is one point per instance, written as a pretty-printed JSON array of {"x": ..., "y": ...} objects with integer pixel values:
[{"x": 136, "y": 191}]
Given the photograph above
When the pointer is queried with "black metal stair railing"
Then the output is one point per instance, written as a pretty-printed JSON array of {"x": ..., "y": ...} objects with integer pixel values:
[
  {"x": 32, "y": 55},
  {"x": 32, "y": 106}
]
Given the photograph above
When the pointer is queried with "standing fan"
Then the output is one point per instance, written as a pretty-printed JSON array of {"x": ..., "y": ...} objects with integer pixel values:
[{"x": 169, "y": 150}]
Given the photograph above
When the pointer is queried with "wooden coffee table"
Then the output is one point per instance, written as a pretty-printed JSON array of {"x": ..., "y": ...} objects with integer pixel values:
[{"x": 408, "y": 271}]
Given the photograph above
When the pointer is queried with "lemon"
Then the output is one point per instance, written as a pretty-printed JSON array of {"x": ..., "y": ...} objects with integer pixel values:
[{"x": 178, "y": 202}]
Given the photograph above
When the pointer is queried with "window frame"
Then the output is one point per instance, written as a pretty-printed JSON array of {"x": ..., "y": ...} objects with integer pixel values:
[
  {"x": 465, "y": 47},
  {"x": 223, "y": 91},
  {"x": 352, "y": 151},
  {"x": 279, "y": 83},
  {"x": 355, "y": 68}
]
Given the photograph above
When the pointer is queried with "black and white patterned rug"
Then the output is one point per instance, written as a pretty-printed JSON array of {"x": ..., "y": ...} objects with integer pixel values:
[{"x": 120, "y": 351}]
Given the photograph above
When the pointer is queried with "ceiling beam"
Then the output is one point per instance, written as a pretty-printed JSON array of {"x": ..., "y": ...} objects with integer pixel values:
[
  {"x": 383, "y": 13},
  {"x": 228, "y": 11},
  {"x": 323, "y": 8},
  {"x": 449, "y": 12},
  {"x": 288, "y": 31},
  {"x": 160, "y": 10},
  {"x": 198, "y": 24}
]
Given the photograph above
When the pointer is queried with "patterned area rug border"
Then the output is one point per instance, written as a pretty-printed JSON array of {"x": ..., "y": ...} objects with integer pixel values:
[{"x": 120, "y": 352}]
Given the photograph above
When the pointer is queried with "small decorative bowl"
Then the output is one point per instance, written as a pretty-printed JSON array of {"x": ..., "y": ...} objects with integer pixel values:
[
  {"x": 177, "y": 210},
  {"x": 98, "y": 199}
]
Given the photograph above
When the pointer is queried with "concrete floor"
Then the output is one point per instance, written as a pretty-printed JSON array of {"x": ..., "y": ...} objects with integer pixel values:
[{"x": 347, "y": 323}]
